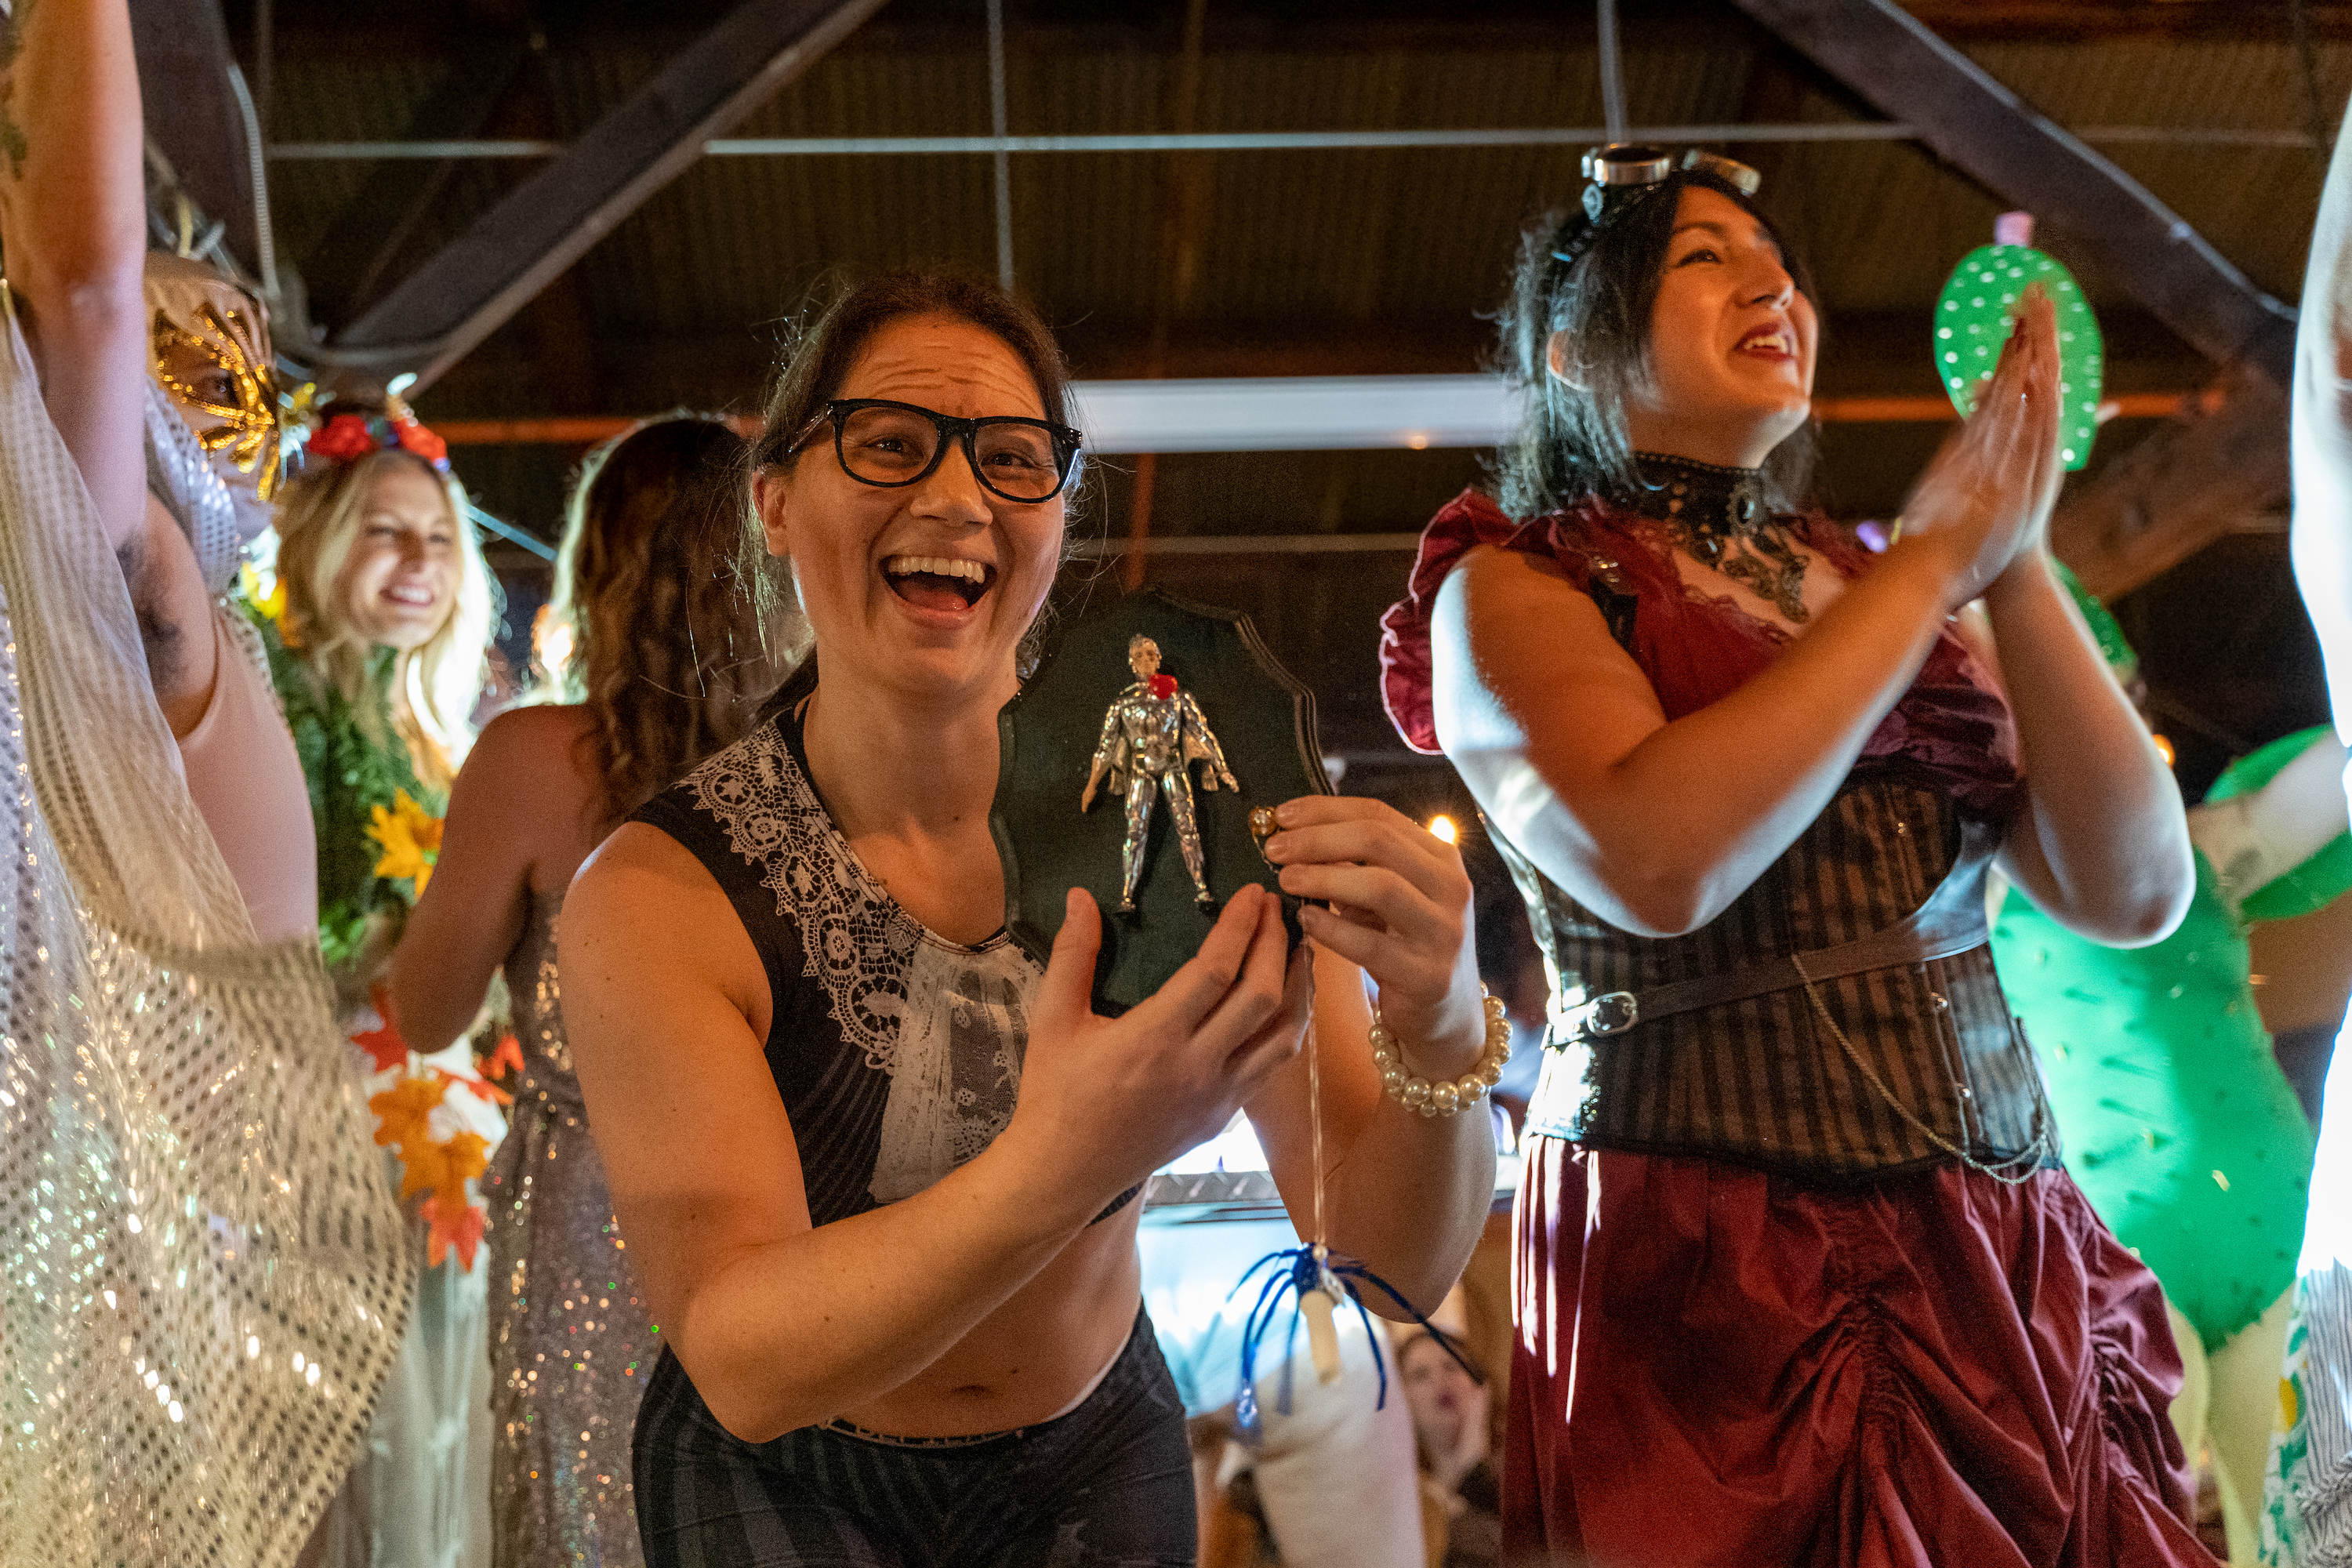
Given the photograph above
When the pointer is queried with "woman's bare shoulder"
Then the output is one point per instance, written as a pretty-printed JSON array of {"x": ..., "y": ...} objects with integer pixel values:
[
  {"x": 654, "y": 920},
  {"x": 531, "y": 731},
  {"x": 537, "y": 748},
  {"x": 638, "y": 865},
  {"x": 1509, "y": 598}
]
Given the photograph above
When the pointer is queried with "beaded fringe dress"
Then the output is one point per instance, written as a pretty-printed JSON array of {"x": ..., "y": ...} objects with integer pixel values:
[{"x": 203, "y": 1275}]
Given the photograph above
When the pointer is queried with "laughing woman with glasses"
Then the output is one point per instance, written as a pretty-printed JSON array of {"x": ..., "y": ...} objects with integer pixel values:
[{"x": 877, "y": 1169}]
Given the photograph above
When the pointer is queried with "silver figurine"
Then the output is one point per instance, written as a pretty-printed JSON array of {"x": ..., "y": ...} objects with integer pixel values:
[{"x": 1151, "y": 736}]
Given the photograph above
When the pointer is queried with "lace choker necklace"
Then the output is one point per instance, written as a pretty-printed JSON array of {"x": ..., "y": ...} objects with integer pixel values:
[{"x": 1719, "y": 516}]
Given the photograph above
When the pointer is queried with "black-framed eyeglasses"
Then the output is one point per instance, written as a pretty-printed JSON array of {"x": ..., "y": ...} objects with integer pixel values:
[{"x": 889, "y": 444}]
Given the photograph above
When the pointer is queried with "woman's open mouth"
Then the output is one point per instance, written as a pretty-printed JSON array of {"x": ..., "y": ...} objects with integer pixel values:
[
  {"x": 410, "y": 597},
  {"x": 1772, "y": 343},
  {"x": 938, "y": 581}
]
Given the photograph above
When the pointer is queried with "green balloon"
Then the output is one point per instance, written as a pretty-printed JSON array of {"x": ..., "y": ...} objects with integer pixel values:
[
  {"x": 2318, "y": 882},
  {"x": 1972, "y": 322}
]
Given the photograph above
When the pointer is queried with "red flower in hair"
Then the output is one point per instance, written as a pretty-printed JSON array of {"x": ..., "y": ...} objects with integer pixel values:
[
  {"x": 417, "y": 439},
  {"x": 345, "y": 439},
  {"x": 1163, "y": 687}
]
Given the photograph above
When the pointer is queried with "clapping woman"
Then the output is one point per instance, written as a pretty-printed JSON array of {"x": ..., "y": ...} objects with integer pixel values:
[
  {"x": 1799, "y": 1278},
  {"x": 377, "y": 635}
]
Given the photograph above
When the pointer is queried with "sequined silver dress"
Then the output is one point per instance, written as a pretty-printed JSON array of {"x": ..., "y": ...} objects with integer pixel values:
[{"x": 570, "y": 1345}]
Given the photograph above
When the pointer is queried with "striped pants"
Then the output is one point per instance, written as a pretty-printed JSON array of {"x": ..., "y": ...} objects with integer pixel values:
[{"x": 1109, "y": 1485}]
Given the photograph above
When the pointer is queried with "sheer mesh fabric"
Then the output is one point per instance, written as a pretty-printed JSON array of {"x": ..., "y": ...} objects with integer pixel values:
[{"x": 202, "y": 1274}]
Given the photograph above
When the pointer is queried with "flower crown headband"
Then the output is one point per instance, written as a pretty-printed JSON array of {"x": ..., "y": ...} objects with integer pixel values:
[{"x": 347, "y": 437}]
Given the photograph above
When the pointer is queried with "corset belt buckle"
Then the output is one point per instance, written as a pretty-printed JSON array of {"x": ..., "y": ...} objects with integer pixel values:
[{"x": 1610, "y": 1013}]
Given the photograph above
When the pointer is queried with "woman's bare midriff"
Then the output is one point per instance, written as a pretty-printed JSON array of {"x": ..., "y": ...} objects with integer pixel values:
[{"x": 1030, "y": 1357}]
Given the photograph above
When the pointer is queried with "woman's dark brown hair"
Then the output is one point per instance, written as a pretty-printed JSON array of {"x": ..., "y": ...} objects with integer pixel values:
[
  {"x": 818, "y": 356},
  {"x": 1572, "y": 441},
  {"x": 666, "y": 655}
]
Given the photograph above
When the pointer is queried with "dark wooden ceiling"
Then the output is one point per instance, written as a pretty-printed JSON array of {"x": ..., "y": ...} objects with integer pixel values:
[{"x": 1285, "y": 263}]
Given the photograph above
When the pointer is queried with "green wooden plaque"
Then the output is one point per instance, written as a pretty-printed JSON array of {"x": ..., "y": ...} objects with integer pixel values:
[{"x": 1100, "y": 707}]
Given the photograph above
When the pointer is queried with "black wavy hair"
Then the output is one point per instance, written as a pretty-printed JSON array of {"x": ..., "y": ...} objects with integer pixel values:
[{"x": 1572, "y": 442}]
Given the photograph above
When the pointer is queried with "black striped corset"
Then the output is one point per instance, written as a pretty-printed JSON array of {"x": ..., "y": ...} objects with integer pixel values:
[{"x": 1874, "y": 1070}]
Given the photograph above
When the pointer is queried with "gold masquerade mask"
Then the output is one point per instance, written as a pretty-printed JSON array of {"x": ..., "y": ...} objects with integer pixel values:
[{"x": 228, "y": 339}]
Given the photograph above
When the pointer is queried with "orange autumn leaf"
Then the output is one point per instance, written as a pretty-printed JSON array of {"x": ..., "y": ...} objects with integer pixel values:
[
  {"x": 479, "y": 1087},
  {"x": 442, "y": 1168},
  {"x": 448, "y": 1225},
  {"x": 385, "y": 1047},
  {"x": 506, "y": 1058},
  {"x": 468, "y": 1154},
  {"x": 488, "y": 1091},
  {"x": 400, "y": 1112},
  {"x": 424, "y": 1167}
]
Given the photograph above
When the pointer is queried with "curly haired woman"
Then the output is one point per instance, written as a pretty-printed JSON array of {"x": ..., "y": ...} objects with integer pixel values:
[{"x": 663, "y": 667}]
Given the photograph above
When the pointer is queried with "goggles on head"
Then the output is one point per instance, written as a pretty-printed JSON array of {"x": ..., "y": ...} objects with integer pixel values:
[{"x": 1624, "y": 174}]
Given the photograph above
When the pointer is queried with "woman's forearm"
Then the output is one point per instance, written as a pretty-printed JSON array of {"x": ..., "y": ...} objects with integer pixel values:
[
  {"x": 73, "y": 224},
  {"x": 1405, "y": 1194},
  {"x": 1663, "y": 840},
  {"x": 797, "y": 1331},
  {"x": 2098, "y": 841},
  {"x": 441, "y": 970},
  {"x": 70, "y": 150},
  {"x": 1410, "y": 1197}
]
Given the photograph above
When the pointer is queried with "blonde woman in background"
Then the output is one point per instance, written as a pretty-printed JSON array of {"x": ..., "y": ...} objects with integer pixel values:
[
  {"x": 653, "y": 662},
  {"x": 377, "y": 631},
  {"x": 379, "y": 647}
]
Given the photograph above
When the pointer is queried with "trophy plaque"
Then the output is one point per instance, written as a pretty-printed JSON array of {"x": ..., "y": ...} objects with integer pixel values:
[{"x": 1131, "y": 763}]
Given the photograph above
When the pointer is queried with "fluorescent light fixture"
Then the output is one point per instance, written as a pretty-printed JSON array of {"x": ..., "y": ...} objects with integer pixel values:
[{"x": 1296, "y": 414}]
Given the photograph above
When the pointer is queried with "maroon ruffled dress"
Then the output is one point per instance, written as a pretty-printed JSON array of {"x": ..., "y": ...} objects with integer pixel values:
[{"x": 1724, "y": 1360}]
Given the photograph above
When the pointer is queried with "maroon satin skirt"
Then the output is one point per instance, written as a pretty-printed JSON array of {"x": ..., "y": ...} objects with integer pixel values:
[{"x": 1713, "y": 1365}]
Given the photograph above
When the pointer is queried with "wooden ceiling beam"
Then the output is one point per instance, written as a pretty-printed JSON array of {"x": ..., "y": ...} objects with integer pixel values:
[
  {"x": 2068, "y": 20},
  {"x": 473, "y": 285},
  {"x": 2216, "y": 466},
  {"x": 338, "y": 28},
  {"x": 1987, "y": 132}
]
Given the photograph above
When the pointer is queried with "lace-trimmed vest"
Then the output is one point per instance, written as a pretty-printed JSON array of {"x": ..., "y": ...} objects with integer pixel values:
[{"x": 897, "y": 1052}]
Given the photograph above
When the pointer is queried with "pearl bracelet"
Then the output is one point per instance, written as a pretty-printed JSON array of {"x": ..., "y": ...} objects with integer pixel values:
[{"x": 1446, "y": 1096}]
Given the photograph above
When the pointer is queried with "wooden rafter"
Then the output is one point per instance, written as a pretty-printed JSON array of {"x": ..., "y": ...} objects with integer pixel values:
[
  {"x": 1982, "y": 128},
  {"x": 2219, "y": 463},
  {"x": 482, "y": 279},
  {"x": 360, "y": 248},
  {"x": 2216, "y": 466}
]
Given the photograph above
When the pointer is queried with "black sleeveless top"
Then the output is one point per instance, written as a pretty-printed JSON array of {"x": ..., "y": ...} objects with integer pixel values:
[{"x": 898, "y": 1053}]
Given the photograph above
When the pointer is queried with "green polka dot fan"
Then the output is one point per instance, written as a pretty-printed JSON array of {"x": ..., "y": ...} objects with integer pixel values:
[{"x": 1972, "y": 322}]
